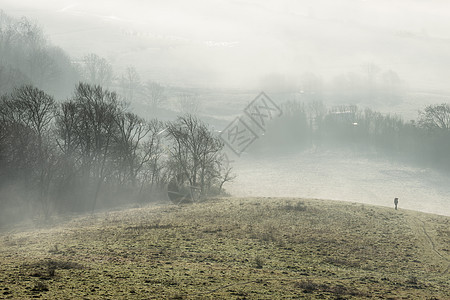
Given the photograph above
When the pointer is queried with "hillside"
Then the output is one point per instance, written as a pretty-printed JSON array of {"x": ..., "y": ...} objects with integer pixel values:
[{"x": 237, "y": 248}]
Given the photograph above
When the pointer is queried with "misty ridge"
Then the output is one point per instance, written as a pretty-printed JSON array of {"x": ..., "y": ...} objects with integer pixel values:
[{"x": 76, "y": 135}]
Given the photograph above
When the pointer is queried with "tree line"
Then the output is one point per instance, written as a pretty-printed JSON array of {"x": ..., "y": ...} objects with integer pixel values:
[
  {"x": 90, "y": 151},
  {"x": 302, "y": 125}
]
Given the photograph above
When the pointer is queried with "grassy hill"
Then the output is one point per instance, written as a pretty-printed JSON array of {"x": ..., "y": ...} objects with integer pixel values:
[{"x": 237, "y": 248}]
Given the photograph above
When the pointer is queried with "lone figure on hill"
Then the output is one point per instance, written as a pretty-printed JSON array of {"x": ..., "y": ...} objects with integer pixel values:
[{"x": 395, "y": 203}]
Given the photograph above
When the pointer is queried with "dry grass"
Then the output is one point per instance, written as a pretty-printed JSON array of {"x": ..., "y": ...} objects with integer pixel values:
[{"x": 235, "y": 249}]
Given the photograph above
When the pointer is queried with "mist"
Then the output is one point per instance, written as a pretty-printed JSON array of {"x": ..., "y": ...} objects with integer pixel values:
[{"x": 236, "y": 44}]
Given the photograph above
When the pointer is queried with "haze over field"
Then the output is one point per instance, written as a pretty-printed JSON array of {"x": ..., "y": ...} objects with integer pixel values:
[
  {"x": 343, "y": 176},
  {"x": 242, "y": 44}
]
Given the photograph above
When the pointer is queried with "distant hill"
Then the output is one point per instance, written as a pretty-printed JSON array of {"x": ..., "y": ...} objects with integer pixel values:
[
  {"x": 238, "y": 43},
  {"x": 28, "y": 57}
]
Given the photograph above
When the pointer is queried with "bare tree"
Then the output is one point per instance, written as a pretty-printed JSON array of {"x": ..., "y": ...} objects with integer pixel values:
[
  {"x": 188, "y": 104},
  {"x": 30, "y": 113},
  {"x": 130, "y": 83},
  {"x": 67, "y": 120},
  {"x": 35, "y": 107},
  {"x": 97, "y": 70},
  {"x": 154, "y": 92},
  {"x": 195, "y": 153},
  {"x": 435, "y": 117},
  {"x": 132, "y": 130},
  {"x": 96, "y": 128},
  {"x": 18, "y": 157},
  {"x": 152, "y": 173},
  {"x": 227, "y": 176}
]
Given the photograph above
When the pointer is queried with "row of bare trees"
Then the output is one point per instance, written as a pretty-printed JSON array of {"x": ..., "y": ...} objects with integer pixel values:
[
  {"x": 90, "y": 151},
  {"x": 425, "y": 140},
  {"x": 148, "y": 94},
  {"x": 97, "y": 70}
]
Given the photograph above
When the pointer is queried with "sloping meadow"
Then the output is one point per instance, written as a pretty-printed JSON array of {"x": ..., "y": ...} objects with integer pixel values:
[{"x": 263, "y": 248}]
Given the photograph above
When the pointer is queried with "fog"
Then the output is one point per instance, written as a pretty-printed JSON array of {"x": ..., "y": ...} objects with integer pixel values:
[
  {"x": 344, "y": 176},
  {"x": 348, "y": 77},
  {"x": 236, "y": 44}
]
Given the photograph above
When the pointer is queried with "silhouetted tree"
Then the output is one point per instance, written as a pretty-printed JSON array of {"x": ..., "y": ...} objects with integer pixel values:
[
  {"x": 133, "y": 154},
  {"x": 89, "y": 122},
  {"x": 188, "y": 104},
  {"x": 97, "y": 70},
  {"x": 28, "y": 113},
  {"x": 195, "y": 153},
  {"x": 130, "y": 82},
  {"x": 155, "y": 164},
  {"x": 154, "y": 93},
  {"x": 435, "y": 117}
]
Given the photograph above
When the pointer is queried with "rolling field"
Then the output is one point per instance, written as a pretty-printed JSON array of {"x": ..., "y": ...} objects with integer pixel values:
[
  {"x": 232, "y": 248},
  {"x": 342, "y": 175}
]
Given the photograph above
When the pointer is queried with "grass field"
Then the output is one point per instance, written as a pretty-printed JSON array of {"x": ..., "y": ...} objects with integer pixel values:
[{"x": 232, "y": 248}]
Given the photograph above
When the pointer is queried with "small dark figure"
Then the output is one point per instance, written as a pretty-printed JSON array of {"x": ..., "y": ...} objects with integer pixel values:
[{"x": 395, "y": 203}]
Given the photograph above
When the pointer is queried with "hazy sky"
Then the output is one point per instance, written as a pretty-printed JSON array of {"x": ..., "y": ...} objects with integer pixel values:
[{"x": 237, "y": 43}]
